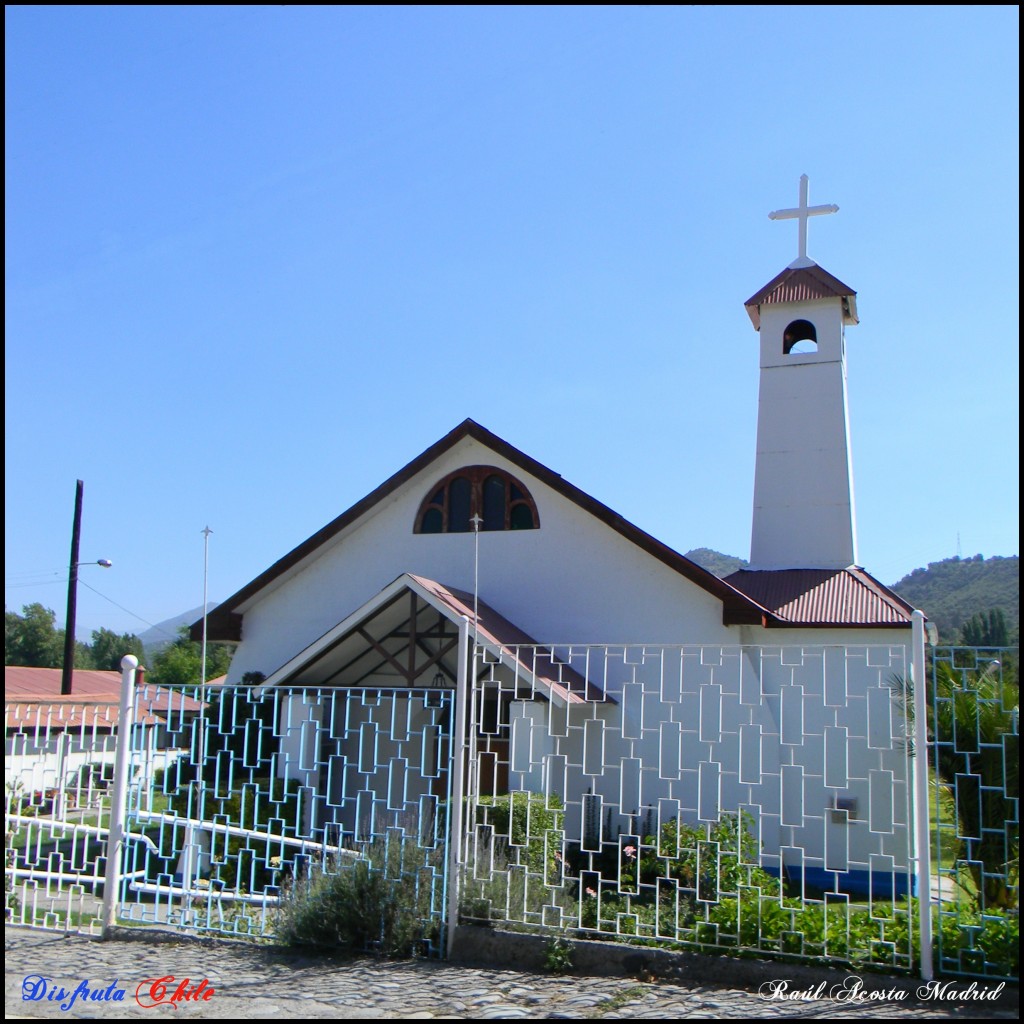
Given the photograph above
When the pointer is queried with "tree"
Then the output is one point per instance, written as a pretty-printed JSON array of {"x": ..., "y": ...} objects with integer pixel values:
[
  {"x": 180, "y": 663},
  {"x": 985, "y": 630},
  {"x": 108, "y": 648},
  {"x": 32, "y": 638}
]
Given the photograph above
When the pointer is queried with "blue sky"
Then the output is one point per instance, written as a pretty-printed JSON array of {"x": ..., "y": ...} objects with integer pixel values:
[{"x": 259, "y": 258}]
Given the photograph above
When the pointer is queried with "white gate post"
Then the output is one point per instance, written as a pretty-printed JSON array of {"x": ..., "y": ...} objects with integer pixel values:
[
  {"x": 458, "y": 761},
  {"x": 922, "y": 822},
  {"x": 119, "y": 796}
]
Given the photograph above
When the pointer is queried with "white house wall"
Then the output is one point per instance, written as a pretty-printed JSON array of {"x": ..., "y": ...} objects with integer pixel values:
[
  {"x": 301, "y": 733},
  {"x": 385, "y": 775},
  {"x": 37, "y": 759},
  {"x": 573, "y": 579}
]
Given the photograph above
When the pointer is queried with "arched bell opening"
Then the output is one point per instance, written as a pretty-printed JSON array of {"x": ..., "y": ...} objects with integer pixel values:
[{"x": 799, "y": 338}]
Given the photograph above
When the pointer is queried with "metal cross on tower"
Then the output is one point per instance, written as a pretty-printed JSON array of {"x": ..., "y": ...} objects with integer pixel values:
[{"x": 802, "y": 213}]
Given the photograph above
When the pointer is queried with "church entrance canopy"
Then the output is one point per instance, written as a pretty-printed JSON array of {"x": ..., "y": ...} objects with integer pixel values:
[{"x": 408, "y": 634}]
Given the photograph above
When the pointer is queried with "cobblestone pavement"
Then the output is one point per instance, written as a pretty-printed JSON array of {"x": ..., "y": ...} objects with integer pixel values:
[{"x": 249, "y": 981}]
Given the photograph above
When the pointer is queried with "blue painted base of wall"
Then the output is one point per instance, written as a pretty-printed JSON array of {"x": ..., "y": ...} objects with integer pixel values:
[{"x": 877, "y": 884}]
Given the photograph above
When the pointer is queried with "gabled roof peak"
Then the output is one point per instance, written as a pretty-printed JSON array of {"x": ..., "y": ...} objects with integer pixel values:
[{"x": 225, "y": 621}]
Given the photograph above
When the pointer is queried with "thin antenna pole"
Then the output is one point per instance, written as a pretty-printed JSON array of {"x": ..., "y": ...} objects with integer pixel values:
[
  {"x": 206, "y": 573},
  {"x": 473, "y": 780},
  {"x": 476, "y": 521}
]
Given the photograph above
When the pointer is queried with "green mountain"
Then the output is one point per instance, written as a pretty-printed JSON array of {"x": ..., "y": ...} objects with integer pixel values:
[
  {"x": 951, "y": 591},
  {"x": 715, "y": 561}
]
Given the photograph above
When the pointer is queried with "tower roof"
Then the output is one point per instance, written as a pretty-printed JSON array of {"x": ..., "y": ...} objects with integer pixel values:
[
  {"x": 802, "y": 284},
  {"x": 824, "y": 597}
]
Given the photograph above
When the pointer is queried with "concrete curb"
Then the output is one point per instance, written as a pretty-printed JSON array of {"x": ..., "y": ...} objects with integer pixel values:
[{"x": 492, "y": 947}]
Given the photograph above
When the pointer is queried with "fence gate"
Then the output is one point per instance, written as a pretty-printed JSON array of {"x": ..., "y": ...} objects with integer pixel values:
[{"x": 243, "y": 799}]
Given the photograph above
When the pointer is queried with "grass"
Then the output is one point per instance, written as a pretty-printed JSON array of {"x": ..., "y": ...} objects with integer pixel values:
[{"x": 615, "y": 1002}]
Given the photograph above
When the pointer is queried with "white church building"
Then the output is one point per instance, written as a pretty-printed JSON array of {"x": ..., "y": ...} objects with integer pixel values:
[{"x": 658, "y": 688}]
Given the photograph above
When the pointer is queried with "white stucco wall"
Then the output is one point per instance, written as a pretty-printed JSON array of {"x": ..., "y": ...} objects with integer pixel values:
[
  {"x": 371, "y": 760},
  {"x": 300, "y": 727},
  {"x": 842, "y": 736},
  {"x": 38, "y": 760}
]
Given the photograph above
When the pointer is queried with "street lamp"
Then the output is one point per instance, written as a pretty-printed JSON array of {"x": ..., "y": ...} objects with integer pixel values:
[{"x": 68, "y": 668}]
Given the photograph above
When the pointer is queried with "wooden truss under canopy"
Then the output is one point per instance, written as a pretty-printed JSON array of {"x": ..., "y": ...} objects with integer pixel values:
[
  {"x": 404, "y": 642},
  {"x": 408, "y": 636}
]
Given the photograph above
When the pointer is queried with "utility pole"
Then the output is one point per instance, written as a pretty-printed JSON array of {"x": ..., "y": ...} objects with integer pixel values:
[
  {"x": 67, "y": 672},
  {"x": 68, "y": 668}
]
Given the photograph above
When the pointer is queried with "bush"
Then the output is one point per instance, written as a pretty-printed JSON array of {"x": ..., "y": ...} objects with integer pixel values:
[
  {"x": 712, "y": 860},
  {"x": 94, "y": 775},
  {"x": 1000, "y": 942},
  {"x": 533, "y": 825},
  {"x": 702, "y": 887},
  {"x": 381, "y": 901}
]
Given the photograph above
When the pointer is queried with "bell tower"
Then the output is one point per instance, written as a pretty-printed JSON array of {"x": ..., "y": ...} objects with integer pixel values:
[{"x": 803, "y": 480}]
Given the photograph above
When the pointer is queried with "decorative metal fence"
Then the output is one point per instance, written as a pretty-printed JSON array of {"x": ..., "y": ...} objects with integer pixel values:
[
  {"x": 237, "y": 800},
  {"x": 279, "y": 794},
  {"x": 724, "y": 799},
  {"x": 974, "y": 756},
  {"x": 712, "y": 798}
]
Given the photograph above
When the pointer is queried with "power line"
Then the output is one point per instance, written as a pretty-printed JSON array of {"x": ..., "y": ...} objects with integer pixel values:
[
  {"x": 152, "y": 625},
  {"x": 23, "y": 573}
]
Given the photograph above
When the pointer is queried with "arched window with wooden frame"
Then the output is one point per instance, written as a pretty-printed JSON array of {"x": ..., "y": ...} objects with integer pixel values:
[{"x": 500, "y": 500}]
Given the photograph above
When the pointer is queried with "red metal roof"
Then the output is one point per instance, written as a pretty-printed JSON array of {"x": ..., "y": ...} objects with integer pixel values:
[
  {"x": 824, "y": 597},
  {"x": 90, "y": 688},
  {"x": 88, "y": 685},
  {"x": 802, "y": 284},
  {"x": 67, "y": 714}
]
